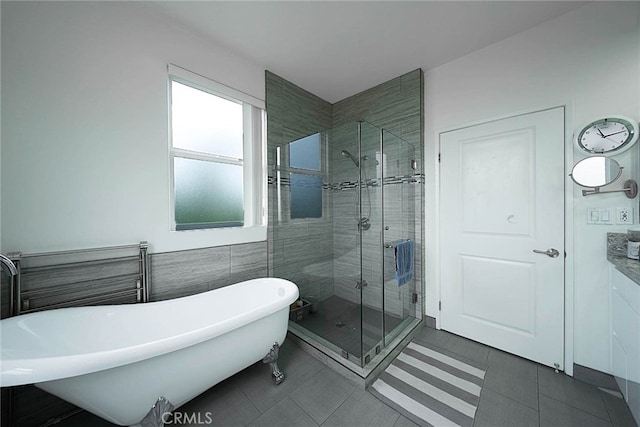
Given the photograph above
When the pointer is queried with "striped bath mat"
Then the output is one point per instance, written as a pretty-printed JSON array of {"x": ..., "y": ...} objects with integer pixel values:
[{"x": 431, "y": 388}]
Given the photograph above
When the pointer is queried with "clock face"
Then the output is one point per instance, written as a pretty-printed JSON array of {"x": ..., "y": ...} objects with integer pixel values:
[{"x": 606, "y": 135}]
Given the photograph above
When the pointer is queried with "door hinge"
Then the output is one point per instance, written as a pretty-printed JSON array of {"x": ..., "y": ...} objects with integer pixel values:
[
  {"x": 414, "y": 298},
  {"x": 438, "y": 157},
  {"x": 440, "y": 305}
]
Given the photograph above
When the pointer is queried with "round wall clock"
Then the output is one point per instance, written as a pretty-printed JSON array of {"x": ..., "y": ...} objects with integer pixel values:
[{"x": 607, "y": 135}]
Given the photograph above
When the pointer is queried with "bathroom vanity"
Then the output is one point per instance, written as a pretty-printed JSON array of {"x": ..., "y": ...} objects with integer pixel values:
[{"x": 625, "y": 329}]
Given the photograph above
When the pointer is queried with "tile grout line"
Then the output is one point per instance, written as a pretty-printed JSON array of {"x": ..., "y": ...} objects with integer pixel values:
[
  {"x": 606, "y": 407},
  {"x": 574, "y": 407},
  {"x": 578, "y": 409},
  {"x": 513, "y": 400},
  {"x": 475, "y": 417},
  {"x": 397, "y": 419},
  {"x": 302, "y": 409},
  {"x": 339, "y": 406},
  {"x": 537, "y": 408},
  {"x": 250, "y": 402}
]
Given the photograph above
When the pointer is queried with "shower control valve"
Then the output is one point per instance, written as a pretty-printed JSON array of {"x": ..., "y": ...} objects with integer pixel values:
[
  {"x": 361, "y": 284},
  {"x": 364, "y": 224}
]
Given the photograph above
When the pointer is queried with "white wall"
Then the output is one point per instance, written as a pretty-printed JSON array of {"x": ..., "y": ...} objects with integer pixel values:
[
  {"x": 579, "y": 60},
  {"x": 84, "y": 112}
]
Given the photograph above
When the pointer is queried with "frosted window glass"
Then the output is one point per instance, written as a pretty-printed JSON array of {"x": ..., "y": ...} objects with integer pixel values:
[
  {"x": 204, "y": 122},
  {"x": 305, "y": 153},
  {"x": 306, "y": 196},
  {"x": 208, "y": 194}
]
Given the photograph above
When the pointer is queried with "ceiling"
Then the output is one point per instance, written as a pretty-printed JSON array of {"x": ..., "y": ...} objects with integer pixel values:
[{"x": 336, "y": 49}]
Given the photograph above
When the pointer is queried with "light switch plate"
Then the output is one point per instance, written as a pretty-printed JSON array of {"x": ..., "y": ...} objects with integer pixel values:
[{"x": 602, "y": 216}]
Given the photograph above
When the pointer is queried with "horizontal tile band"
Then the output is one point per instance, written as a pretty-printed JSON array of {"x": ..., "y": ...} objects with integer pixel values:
[{"x": 347, "y": 185}]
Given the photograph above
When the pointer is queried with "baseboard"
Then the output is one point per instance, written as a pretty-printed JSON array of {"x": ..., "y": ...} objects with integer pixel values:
[
  {"x": 430, "y": 322},
  {"x": 594, "y": 377}
]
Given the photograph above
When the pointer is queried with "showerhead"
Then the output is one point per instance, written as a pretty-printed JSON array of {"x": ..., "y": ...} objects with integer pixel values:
[{"x": 348, "y": 155}]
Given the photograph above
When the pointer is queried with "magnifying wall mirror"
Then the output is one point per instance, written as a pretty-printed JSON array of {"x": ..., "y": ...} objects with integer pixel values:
[{"x": 598, "y": 171}]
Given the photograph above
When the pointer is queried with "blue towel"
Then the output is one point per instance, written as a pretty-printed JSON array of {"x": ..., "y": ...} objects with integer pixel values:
[{"x": 404, "y": 261}]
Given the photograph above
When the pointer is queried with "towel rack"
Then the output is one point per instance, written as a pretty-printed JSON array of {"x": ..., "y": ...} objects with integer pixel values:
[
  {"x": 393, "y": 245},
  {"x": 74, "y": 288}
]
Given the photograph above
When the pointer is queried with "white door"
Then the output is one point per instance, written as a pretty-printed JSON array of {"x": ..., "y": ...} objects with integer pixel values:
[{"x": 501, "y": 198}]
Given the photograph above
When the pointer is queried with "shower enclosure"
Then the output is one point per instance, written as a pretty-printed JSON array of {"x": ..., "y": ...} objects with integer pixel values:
[{"x": 342, "y": 199}]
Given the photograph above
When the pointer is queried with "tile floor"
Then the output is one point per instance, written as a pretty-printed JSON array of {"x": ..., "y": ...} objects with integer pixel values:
[{"x": 516, "y": 392}]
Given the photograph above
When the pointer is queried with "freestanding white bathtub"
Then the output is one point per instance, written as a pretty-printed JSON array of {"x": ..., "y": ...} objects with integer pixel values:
[{"x": 116, "y": 361}]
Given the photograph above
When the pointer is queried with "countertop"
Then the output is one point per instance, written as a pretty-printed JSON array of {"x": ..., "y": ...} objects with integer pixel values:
[{"x": 626, "y": 266}]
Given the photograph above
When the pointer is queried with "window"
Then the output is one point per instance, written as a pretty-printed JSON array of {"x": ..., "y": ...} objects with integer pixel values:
[
  {"x": 306, "y": 177},
  {"x": 216, "y": 152}
]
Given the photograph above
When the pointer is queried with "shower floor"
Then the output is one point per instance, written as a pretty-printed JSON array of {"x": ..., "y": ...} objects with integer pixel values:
[{"x": 338, "y": 321}]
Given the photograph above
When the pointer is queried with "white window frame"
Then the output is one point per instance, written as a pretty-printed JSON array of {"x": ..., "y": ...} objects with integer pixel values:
[{"x": 254, "y": 142}]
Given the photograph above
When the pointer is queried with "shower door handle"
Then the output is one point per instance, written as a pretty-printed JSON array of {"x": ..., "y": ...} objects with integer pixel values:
[{"x": 553, "y": 253}]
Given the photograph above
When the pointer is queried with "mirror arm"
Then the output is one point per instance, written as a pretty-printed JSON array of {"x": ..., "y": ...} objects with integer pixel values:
[{"x": 630, "y": 189}]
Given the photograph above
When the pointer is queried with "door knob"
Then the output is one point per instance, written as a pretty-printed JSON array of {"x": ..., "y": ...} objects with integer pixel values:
[{"x": 553, "y": 253}]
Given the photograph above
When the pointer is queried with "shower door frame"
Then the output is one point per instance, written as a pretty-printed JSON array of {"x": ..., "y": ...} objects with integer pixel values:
[
  {"x": 390, "y": 336},
  {"x": 386, "y": 342}
]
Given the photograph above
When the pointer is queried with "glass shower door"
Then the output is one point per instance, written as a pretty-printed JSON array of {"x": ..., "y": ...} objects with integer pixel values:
[
  {"x": 401, "y": 204},
  {"x": 344, "y": 311},
  {"x": 370, "y": 234},
  {"x": 341, "y": 200}
]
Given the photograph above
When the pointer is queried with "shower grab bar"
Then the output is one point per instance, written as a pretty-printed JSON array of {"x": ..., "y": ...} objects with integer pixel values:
[{"x": 393, "y": 245}]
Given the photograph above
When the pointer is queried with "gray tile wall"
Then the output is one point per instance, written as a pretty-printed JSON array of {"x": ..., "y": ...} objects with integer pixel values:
[
  {"x": 300, "y": 250},
  {"x": 396, "y": 106},
  {"x": 4, "y": 295},
  {"x": 293, "y": 113},
  {"x": 182, "y": 273},
  {"x": 173, "y": 274}
]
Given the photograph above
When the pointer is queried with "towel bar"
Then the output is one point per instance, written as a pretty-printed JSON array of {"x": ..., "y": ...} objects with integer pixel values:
[{"x": 393, "y": 245}]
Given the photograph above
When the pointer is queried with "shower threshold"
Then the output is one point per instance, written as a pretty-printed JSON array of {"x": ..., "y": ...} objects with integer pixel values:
[{"x": 334, "y": 356}]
